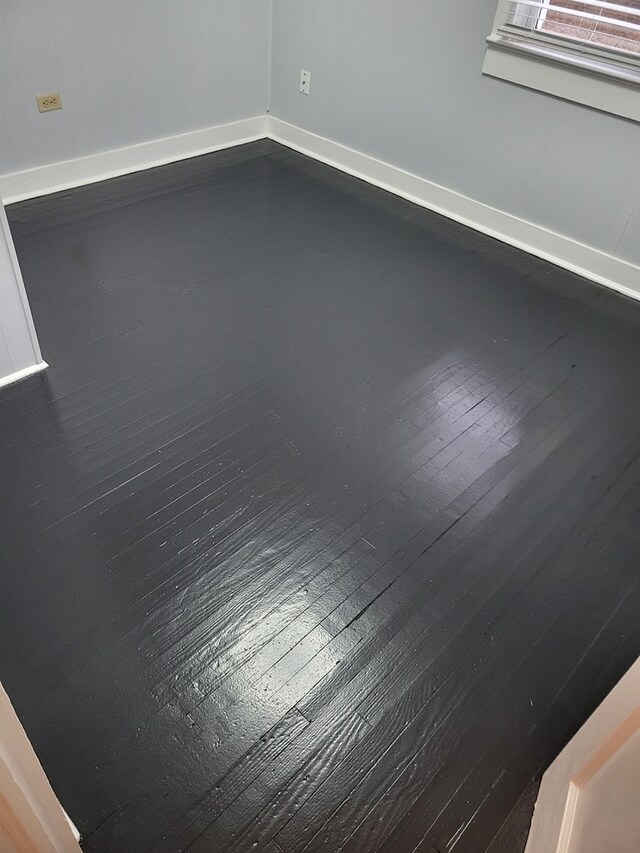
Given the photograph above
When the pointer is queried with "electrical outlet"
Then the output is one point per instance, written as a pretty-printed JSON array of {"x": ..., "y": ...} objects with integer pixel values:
[
  {"x": 46, "y": 103},
  {"x": 305, "y": 81}
]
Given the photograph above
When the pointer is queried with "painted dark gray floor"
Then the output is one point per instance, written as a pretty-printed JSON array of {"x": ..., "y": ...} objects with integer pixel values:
[{"x": 322, "y": 531}]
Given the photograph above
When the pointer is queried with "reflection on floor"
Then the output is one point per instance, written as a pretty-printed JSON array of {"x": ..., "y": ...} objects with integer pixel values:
[{"x": 321, "y": 532}]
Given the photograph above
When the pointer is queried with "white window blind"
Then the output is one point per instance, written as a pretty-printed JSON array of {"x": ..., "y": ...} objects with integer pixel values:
[
  {"x": 597, "y": 39},
  {"x": 586, "y": 25}
]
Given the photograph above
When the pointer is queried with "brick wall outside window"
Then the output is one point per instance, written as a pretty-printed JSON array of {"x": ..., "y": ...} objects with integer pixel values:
[{"x": 605, "y": 34}]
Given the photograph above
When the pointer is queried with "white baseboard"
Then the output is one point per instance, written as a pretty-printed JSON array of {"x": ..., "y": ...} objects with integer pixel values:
[
  {"x": 22, "y": 374},
  {"x": 563, "y": 251},
  {"x": 18, "y": 186}
]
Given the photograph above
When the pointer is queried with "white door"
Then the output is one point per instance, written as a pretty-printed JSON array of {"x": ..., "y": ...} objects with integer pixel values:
[{"x": 589, "y": 800}]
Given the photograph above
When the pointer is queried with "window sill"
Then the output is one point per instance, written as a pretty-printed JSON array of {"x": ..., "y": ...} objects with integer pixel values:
[{"x": 581, "y": 79}]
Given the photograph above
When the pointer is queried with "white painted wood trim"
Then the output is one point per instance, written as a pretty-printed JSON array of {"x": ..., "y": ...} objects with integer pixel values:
[
  {"x": 22, "y": 374},
  {"x": 604, "y": 732},
  {"x": 30, "y": 815},
  {"x": 585, "y": 74},
  {"x": 534, "y": 67},
  {"x": 561, "y": 250},
  {"x": 19, "y": 282},
  {"x": 74, "y": 829},
  {"x": 21, "y": 351},
  {"x": 568, "y": 818},
  {"x": 42, "y": 180}
]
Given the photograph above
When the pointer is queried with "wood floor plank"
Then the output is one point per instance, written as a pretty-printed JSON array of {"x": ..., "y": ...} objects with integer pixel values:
[{"x": 323, "y": 501}]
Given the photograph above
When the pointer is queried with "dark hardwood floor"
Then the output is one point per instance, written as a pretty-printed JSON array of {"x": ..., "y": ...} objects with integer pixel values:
[{"x": 322, "y": 530}]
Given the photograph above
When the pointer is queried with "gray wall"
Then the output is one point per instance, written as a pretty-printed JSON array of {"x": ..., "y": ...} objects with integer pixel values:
[
  {"x": 402, "y": 81},
  {"x": 128, "y": 71}
]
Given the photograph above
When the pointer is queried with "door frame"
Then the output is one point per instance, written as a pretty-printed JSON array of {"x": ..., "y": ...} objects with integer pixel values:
[{"x": 31, "y": 817}]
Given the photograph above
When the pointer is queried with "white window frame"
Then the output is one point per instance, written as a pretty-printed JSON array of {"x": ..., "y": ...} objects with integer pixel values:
[{"x": 599, "y": 77}]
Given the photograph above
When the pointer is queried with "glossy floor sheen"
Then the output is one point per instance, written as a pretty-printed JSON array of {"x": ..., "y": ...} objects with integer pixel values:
[{"x": 322, "y": 531}]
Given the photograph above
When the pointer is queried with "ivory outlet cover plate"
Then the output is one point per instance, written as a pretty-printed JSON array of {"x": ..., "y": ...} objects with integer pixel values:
[{"x": 46, "y": 103}]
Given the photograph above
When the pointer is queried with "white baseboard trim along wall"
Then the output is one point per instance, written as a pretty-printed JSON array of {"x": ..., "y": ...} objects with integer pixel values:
[
  {"x": 18, "y": 186},
  {"x": 22, "y": 374},
  {"x": 591, "y": 263},
  {"x": 560, "y": 250}
]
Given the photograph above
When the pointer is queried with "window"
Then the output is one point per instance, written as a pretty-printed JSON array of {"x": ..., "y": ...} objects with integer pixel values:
[{"x": 587, "y": 51}]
